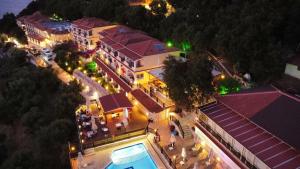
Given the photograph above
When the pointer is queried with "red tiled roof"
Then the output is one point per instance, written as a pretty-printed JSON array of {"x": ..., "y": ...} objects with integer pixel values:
[
  {"x": 146, "y": 101},
  {"x": 241, "y": 102},
  {"x": 295, "y": 60},
  {"x": 135, "y": 44},
  {"x": 270, "y": 109},
  {"x": 261, "y": 143},
  {"x": 114, "y": 101},
  {"x": 36, "y": 37},
  {"x": 89, "y": 23},
  {"x": 38, "y": 20},
  {"x": 111, "y": 74},
  {"x": 130, "y": 54},
  {"x": 107, "y": 41}
]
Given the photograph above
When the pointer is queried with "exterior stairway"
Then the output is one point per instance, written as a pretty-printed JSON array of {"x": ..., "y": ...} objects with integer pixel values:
[
  {"x": 187, "y": 122},
  {"x": 187, "y": 132}
]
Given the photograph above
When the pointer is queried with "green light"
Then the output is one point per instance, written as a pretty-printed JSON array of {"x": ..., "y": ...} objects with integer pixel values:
[
  {"x": 169, "y": 44},
  {"x": 223, "y": 90},
  {"x": 92, "y": 66},
  {"x": 186, "y": 46}
]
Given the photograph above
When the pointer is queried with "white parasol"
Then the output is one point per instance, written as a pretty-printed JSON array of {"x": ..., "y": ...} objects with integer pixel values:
[
  {"x": 94, "y": 125},
  {"x": 183, "y": 153},
  {"x": 80, "y": 160},
  {"x": 196, "y": 165},
  {"x": 126, "y": 116}
]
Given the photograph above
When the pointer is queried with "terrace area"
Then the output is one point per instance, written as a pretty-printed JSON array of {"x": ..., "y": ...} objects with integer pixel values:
[{"x": 98, "y": 126}]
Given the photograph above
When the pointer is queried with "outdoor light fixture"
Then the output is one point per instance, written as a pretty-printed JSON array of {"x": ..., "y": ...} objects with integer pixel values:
[
  {"x": 203, "y": 143},
  {"x": 222, "y": 76},
  {"x": 169, "y": 44},
  {"x": 73, "y": 148}
]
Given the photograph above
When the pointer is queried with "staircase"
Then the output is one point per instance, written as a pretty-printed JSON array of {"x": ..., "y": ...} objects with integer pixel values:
[{"x": 187, "y": 132}]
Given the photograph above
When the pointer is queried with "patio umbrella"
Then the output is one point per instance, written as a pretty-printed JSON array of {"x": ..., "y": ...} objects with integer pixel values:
[
  {"x": 126, "y": 115},
  {"x": 196, "y": 165},
  {"x": 80, "y": 160},
  {"x": 183, "y": 153},
  {"x": 94, "y": 125}
]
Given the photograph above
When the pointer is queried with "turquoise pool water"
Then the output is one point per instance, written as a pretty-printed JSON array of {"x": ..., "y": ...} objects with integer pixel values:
[{"x": 132, "y": 157}]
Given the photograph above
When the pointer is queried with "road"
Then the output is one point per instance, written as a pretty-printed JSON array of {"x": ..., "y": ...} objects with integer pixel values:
[{"x": 61, "y": 74}]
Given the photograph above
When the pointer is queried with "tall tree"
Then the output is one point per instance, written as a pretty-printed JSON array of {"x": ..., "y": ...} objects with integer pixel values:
[{"x": 189, "y": 80}]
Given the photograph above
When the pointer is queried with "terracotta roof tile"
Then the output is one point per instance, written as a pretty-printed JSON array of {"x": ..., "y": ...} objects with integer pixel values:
[
  {"x": 114, "y": 102},
  {"x": 146, "y": 101}
]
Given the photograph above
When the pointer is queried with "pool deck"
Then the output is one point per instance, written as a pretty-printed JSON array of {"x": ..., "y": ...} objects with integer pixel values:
[{"x": 99, "y": 157}]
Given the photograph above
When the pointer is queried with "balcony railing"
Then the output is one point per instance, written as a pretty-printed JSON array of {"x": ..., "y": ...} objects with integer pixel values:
[{"x": 123, "y": 136}]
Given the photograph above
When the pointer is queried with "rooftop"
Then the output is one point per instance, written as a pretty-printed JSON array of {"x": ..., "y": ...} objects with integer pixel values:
[
  {"x": 295, "y": 60},
  {"x": 42, "y": 22},
  {"x": 260, "y": 120},
  {"x": 89, "y": 23},
  {"x": 114, "y": 102},
  {"x": 146, "y": 101},
  {"x": 135, "y": 44}
]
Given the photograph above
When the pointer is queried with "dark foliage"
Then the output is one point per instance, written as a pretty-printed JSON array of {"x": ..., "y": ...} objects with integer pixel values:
[{"x": 37, "y": 115}]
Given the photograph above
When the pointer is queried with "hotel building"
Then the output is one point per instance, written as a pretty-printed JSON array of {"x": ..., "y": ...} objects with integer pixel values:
[
  {"x": 133, "y": 54},
  {"x": 259, "y": 126},
  {"x": 85, "y": 32},
  {"x": 42, "y": 32}
]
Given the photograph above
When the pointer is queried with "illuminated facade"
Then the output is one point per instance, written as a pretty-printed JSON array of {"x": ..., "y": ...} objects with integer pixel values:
[
  {"x": 85, "y": 32},
  {"x": 132, "y": 54},
  {"x": 42, "y": 32}
]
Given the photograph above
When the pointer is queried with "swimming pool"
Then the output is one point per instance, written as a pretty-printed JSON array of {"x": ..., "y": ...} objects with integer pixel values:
[{"x": 132, "y": 157}]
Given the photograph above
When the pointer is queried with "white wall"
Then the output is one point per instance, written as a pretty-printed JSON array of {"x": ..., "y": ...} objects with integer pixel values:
[
  {"x": 292, "y": 70},
  {"x": 217, "y": 151}
]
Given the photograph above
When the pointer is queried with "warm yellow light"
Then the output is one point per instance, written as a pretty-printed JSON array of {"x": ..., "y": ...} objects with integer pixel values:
[
  {"x": 84, "y": 71},
  {"x": 66, "y": 63},
  {"x": 174, "y": 157},
  {"x": 73, "y": 148},
  {"x": 82, "y": 141},
  {"x": 222, "y": 76},
  {"x": 93, "y": 78},
  {"x": 147, "y": 114},
  {"x": 106, "y": 87},
  {"x": 79, "y": 126},
  {"x": 203, "y": 143},
  {"x": 69, "y": 68},
  {"x": 218, "y": 159},
  {"x": 135, "y": 103}
]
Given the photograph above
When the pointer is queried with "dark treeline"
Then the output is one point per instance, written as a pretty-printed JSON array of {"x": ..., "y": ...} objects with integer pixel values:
[
  {"x": 257, "y": 36},
  {"x": 37, "y": 114}
]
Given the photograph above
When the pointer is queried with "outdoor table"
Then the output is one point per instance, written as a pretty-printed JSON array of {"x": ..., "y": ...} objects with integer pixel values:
[
  {"x": 104, "y": 129},
  {"x": 86, "y": 123}
]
